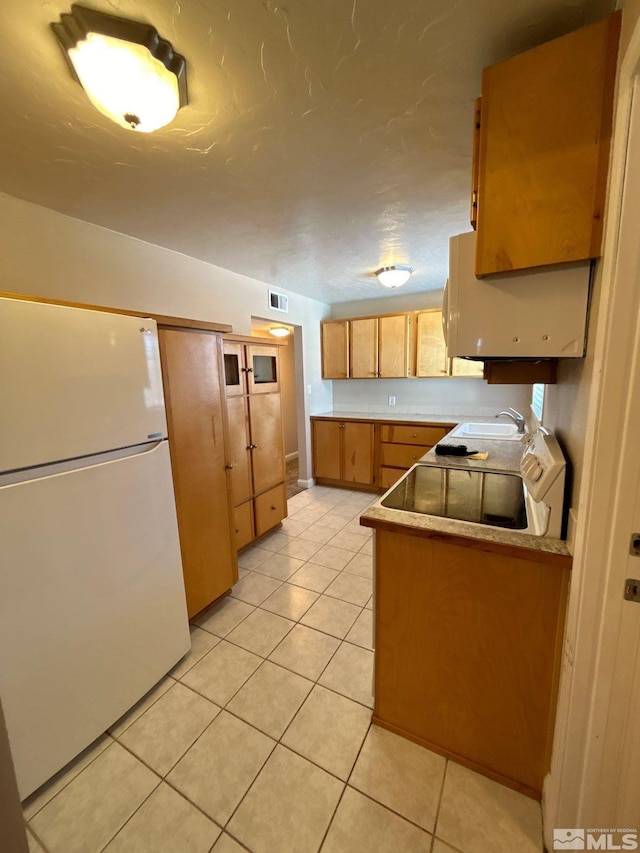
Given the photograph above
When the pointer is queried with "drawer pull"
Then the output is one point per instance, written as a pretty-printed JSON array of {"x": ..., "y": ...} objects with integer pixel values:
[{"x": 273, "y": 508}]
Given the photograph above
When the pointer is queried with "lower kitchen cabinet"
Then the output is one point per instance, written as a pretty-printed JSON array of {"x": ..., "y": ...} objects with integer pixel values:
[
  {"x": 269, "y": 509},
  {"x": 197, "y": 441},
  {"x": 244, "y": 524},
  {"x": 402, "y": 445},
  {"x": 468, "y": 643},
  {"x": 343, "y": 452}
]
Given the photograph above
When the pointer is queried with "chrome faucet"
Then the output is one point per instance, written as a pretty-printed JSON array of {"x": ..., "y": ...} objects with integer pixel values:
[{"x": 515, "y": 416}]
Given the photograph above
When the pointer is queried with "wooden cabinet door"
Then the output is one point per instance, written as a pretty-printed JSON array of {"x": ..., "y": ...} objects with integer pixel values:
[
  {"x": 544, "y": 149},
  {"x": 235, "y": 369},
  {"x": 238, "y": 453},
  {"x": 270, "y": 508},
  {"x": 267, "y": 454},
  {"x": 193, "y": 395},
  {"x": 263, "y": 369},
  {"x": 327, "y": 449},
  {"x": 335, "y": 349},
  {"x": 244, "y": 529},
  {"x": 431, "y": 348},
  {"x": 357, "y": 452},
  {"x": 475, "y": 163},
  {"x": 393, "y": 346},
  {"x": 363, "y": 353},
  {"x": 467, "y": 367}
]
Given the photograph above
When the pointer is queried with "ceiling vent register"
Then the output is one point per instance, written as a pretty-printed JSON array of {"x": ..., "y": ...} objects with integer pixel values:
[{"x": 278, "y": 302}]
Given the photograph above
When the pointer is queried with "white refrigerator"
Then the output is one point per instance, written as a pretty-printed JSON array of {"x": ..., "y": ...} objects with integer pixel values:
[{"x": 92, "y": 604}]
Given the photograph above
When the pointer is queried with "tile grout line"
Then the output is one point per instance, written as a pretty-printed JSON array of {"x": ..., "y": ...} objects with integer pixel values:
[{"x": 264, "y": 659}]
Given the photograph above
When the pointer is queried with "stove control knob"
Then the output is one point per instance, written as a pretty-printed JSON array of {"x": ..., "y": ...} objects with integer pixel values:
[{"x": 533, "y": 469}]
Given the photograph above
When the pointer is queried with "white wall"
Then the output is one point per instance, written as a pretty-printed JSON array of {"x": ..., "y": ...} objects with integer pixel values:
[
  {"x": 456, "y": 397},
  {"x": 46, "y": 254},
  {"x": 453, "y": 397}
]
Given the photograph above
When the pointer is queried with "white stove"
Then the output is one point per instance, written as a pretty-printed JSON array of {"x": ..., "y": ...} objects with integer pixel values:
[
  {"x": 543, "y": 470},
  {"x": 530, "y": 501}
]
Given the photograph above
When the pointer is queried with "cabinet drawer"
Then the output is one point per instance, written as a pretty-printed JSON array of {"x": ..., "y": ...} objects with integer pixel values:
[
  {"x": 243, "y": 518},
  {"x": 429, "y": 435},
  {"x": 389, "y": 476},
  {"x": 270, "y": 508},
  {"x": 401, "y": 455}
]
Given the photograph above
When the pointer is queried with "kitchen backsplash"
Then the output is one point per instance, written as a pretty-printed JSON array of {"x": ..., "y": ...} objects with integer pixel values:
[{"x": 429, "y": 396}]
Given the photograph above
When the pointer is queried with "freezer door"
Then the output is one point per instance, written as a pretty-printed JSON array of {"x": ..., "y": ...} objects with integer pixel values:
[
  {"x": 75, "y": 382},
  {"x": 92, "y": 604}
]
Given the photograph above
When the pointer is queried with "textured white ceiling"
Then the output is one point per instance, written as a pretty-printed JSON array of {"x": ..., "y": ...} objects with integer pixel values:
[{"x": 323, "y": 138}]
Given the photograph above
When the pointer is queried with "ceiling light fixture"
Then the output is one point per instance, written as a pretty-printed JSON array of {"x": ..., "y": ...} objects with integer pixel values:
[
  {"x": 129, "y": 73},
  {"x": 395, "y": 275},
  {"x": 279, "y": 331}
]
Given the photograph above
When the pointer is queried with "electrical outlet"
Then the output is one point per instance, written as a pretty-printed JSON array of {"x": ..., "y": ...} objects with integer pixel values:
[{"x": 392, "y": 401}]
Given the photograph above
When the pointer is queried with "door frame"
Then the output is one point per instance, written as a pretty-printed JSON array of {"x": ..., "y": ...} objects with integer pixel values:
[{"x": 596, "y": 703}]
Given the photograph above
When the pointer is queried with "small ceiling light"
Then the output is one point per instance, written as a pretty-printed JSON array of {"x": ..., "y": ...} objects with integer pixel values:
[
  {"x": 394, "y": 276},
  {"x": 279, "y": 331},
  {"x": 129, "y": 73}
]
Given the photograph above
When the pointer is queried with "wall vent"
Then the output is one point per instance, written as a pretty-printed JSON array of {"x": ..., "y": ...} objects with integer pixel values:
[{"x": 278, "y": 302}]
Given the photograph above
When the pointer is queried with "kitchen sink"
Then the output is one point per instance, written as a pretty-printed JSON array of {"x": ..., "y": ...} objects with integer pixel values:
[{"x": 499, "y": 431}]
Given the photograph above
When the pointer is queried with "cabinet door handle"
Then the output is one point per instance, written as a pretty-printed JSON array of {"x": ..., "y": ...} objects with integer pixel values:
[
  {"x": 252, "y": 447},
  {"x": 229, "y": 466},
  {"x": 273, "y": 508}
]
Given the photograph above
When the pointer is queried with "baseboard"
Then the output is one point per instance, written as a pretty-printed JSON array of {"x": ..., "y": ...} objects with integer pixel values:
[
  {"x": 306, "y": 484},
  {"x": 291, "y": 456}
]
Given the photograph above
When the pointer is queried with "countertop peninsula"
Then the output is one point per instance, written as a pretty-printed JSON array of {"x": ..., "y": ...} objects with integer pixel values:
[{"x": 504, "y": 456}]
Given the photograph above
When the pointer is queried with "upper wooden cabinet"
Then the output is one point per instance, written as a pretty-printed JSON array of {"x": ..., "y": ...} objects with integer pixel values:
[
  {"x": 363, "y": 349},
  {"x": 393, "y": 346},
  {"x": 431, "y": 350},
  {"x": 367, "y": 347},
  {"x": 542, "y": 158},
  {"x": 335, "y": 349},
  {"x": 390, "y": 346}
]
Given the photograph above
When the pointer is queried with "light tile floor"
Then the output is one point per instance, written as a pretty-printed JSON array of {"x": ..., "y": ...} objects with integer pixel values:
[{"x": 260, "y": 739}]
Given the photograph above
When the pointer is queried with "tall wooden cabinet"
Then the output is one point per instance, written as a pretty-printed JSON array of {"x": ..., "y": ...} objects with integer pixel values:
[
  {"x": 543, "y": 149},
  {"x": 194, "y": 395},
  {"x": 256, "y": 445}
]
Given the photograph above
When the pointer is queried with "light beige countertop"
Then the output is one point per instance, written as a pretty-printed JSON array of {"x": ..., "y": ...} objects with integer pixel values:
[
  {"x": 387, "y": 417},
  {"x": 504, "y": 456},
  {"x": 453, "y": 527}
]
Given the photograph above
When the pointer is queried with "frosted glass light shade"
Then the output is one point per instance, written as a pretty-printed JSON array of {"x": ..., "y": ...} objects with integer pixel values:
[
  {"x": 394, "y": 276},
  {"x": 279, "y": 332},
  {"x": 125, "y": 82},
  {"x": 129, "y": 73}
]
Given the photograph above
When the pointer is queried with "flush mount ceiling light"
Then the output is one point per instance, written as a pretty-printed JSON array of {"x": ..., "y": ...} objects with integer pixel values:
[
  {"x": 395, "y": 275},
  {"x": 279, "y": 331},
  {"x": 129, "y": 73}
]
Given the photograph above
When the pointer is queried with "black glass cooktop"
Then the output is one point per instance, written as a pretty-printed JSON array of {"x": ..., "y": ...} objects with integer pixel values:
[{"x": 476, "y": 496}]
